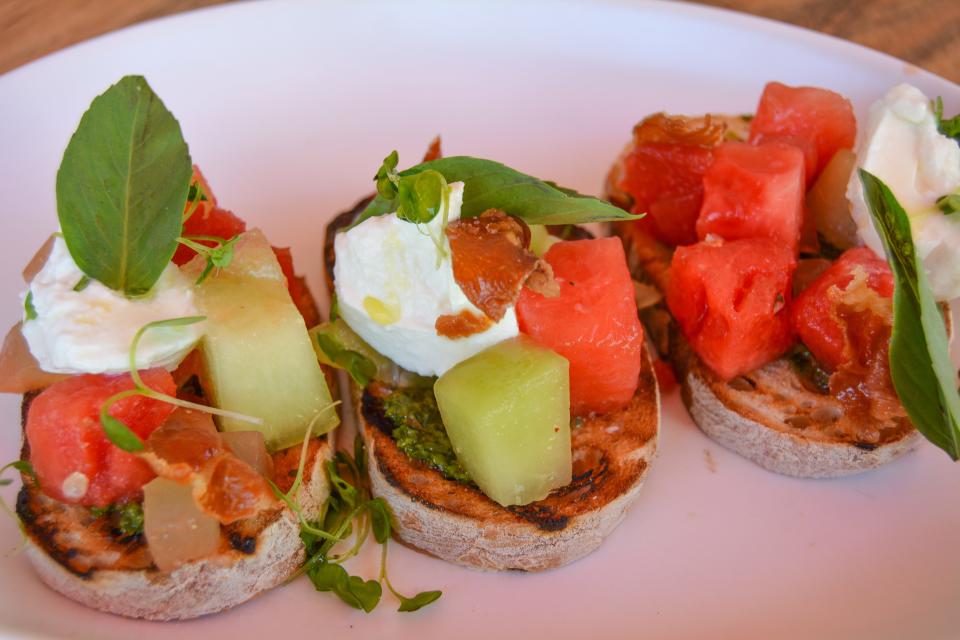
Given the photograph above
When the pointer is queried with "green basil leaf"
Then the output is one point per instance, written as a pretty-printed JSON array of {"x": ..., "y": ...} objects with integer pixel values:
[
  {"x": 30, "y": 312},
  {"x": 122, "y": 187},
  {"x": 379, "y": 519},
  {"x": 920, "y": 364},
  {"x": 491, "y": 185},
  {"x": 419, "y": 601},
  {"x": 120, "y": 434}
]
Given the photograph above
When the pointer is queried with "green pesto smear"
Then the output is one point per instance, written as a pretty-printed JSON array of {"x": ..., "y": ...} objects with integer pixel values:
[{"x": 419, "y": 431}]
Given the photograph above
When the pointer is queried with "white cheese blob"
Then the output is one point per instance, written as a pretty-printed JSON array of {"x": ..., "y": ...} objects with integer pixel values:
[
  {"x": 392, "y": 284},
  {"x": 902, "y": 146},
  {"x": 90, "y": 331}
]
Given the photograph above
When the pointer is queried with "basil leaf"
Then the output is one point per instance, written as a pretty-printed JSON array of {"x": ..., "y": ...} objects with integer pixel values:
[
  {"x": 491, "y": 185},
  {"x": 920, "y": 364},
  {"x": 419, "y": 601},
  {"x": 122, "y": 187},
  {"x": 30, "y": 312},
  {"x": 379, "y": 519}
]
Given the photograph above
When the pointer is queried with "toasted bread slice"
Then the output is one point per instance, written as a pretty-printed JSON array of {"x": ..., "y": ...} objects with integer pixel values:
[
  {"x": 768, "y": 416},
  {"x": 458, "y": 523},
  {"x": 87, "y": 560}
]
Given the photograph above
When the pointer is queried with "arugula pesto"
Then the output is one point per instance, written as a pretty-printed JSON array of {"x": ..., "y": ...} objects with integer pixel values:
[
  {"x": 420, "y": 433},
  {"x": 125, "y": 518}
]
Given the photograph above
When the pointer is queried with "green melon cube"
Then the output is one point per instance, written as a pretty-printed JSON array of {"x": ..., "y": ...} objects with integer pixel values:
[
  {"x": 507, "y": 413},
  {"x": 258, "y": 357}
]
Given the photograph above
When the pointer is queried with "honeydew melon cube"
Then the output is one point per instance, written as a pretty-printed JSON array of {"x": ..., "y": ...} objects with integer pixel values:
[
  {"x": 258, "y": 357},
  {"x": 507, "y": 413}
]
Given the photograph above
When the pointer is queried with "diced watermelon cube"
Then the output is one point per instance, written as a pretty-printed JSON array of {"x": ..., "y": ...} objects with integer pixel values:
[
  {"x": 665, "y": 181},
  {"x": 814, "y": 312},
  {"x": 754, "y": 192},
  {"x": 818, "y": 121},
  {"x": 593, "y": 323},
  {"x": 66, "y": 438},
  {"x": 730, "y": 300}
]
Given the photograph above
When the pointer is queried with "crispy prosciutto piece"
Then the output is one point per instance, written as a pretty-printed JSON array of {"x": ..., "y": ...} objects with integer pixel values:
[
  {"x": 491, "y": 263},
  {"x": 187, "y": 449},
  {"x": 433, "y": 151},
  {"x": 661, "y": 173}
]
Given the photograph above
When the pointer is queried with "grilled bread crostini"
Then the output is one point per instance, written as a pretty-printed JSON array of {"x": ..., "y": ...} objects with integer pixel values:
[
  {"x": 90, "y": 556},
  {"x": 151, "y": 311},
  {"x": 775, "y": 317},
  {"x": 770, "y": 415},
  {"x": 455, "y": 521}
]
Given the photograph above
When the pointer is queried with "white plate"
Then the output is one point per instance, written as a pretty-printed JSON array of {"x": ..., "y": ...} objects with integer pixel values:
[{"x": 289, "y": 108}]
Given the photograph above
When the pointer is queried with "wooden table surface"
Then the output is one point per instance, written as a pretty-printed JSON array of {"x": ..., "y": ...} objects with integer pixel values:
[{"x": 925, "y": 33}]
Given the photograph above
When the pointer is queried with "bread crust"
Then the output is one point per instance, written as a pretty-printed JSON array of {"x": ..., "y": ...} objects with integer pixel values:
[
  {"x": 458, "y": 523},
  {"x": 767, "y": 416}
]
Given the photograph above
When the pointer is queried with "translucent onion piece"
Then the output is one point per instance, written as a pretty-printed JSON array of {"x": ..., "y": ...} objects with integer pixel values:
[
  {"x": 19, "y": 371},
  {"x": 646, "y": 295},
  {"x": 827, "y": 201},
  {"x": 250, "y": 447},
  {"x": 177, "y": 531}
]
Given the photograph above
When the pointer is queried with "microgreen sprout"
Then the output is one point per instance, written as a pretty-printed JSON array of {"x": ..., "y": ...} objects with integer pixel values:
[
  {"x": 82, "y": 284},
  {"x": 30, "y": 312},
  {"x": 25, "y": 468},
  {"x": 350, "y": 511},
  {"x": 195, "y": 195},
  {"x": 949, "y": 204},
  {"x": 120, "y": 434},
  {"x": 949, "y": 127},
  {"x": 218, "y": 256}
]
